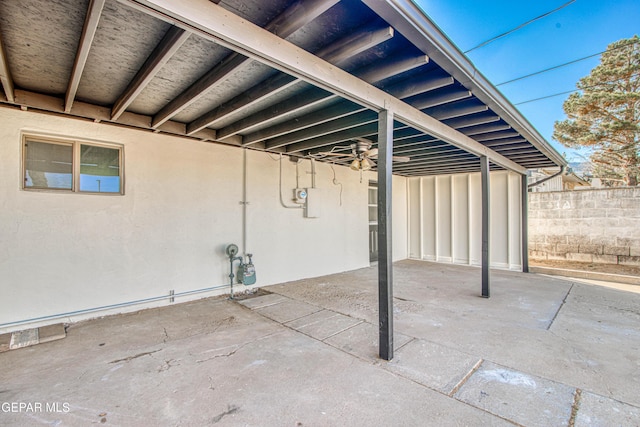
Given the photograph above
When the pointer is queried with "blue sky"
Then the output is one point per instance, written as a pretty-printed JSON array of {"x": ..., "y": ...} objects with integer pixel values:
[{"x": 582, "y": 28}]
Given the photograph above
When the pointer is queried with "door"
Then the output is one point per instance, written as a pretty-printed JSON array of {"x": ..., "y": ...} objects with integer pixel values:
[{"x": 373, "y": 221}]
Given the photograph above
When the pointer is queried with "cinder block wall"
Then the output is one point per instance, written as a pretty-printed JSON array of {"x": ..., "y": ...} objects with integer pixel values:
[{"x": 600, "y": 226}]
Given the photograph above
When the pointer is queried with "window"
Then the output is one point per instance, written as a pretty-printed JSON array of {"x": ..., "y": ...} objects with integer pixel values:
[{"x": 75, "y": 166}]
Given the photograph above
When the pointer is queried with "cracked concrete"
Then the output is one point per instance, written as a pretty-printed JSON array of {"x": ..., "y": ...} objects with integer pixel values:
[{"x": 305, "y": 355}]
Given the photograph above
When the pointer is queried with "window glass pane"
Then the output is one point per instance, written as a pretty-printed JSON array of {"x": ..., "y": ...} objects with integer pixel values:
[
  {"x": 99, "y": 169},
  {"x": 373, "y": 196},
  {"x": 373, "y": 214},
  {"x": 48, "y": 165}
]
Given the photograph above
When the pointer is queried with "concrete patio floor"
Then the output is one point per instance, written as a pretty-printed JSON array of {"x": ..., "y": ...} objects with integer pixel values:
[{"x": 541, "y": 351}]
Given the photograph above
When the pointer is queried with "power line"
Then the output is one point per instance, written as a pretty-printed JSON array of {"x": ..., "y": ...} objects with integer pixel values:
[
  {"x": 549, "y": 69},
  {"x": 564, "y": 64},
  {"x": 569, "y": 91},
  {"x": 519, "y": 27},
  {"x": 546, "y": 97}
]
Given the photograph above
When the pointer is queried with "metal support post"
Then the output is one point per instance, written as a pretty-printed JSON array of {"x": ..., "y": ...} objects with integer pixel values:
[
  {"x": 484, "y": 168},
  {"x": 525, "y": 224},
  {"x": 385, "y": 258}
]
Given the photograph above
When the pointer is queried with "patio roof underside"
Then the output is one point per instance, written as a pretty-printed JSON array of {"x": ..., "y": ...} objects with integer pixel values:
[{"x": 117, "y": 62}]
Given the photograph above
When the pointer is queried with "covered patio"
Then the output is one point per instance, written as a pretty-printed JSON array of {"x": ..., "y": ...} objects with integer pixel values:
[{"x": 542, "y": 351}]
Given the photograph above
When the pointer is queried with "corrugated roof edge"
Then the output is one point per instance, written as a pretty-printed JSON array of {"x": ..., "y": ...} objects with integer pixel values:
[{"x": 408, "y": 19}]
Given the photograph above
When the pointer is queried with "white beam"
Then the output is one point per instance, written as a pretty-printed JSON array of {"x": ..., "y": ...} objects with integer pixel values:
[
  {"x": 88, "y": 32},
  {"x": 225, "y": 28}
]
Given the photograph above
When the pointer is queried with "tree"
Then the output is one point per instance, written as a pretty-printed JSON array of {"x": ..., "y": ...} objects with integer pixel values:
[{"x": 605, "y": 114}]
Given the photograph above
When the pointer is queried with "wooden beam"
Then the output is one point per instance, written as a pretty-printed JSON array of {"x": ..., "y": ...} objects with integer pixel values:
[
  {"x": 194, "y": 92},
  {"x": 431, "y": 101},
  {"x": 227, "y": 29},
  {"x": 494, "y": 136},
  {"x": 455, "y": 109},
  {"x": 5, "y": 74},
  {"x": 350, "y": 121},
  {"x": 420, "y": 84},
  {"x": 377, "y": 72},
  {"x": 171, "y": 42},
  {"x": 334, "y": 54},
  {"x": 333, "y": 112},
  {"x": 472, "y": 120},
  {"x": 410, "y": 21},
  {"x": 307, "y": 99},
  {"x": 371, "y": 74},
  {"x": 457, "y": 159},
  {"x": 334, "y": 138},
  {"x": 481, "y": 129},
  {"x": 269, "y": 87},
  {"x": 88, "y": 32},
  {"x": 283, "y": 25},
  {"x": 101, "y": 114}
]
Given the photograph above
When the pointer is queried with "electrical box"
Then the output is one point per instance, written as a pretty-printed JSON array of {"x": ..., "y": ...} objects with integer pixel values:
[
  {"x": 300, "y": 195},
  {"x": 314, "y": 203}
]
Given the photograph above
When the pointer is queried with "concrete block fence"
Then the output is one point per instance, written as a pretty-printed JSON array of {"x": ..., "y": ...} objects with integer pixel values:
[{"x": 601, "y": 226}]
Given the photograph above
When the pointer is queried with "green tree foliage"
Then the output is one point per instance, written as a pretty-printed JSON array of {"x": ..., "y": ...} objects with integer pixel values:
[{"x": 605, "y": 114}]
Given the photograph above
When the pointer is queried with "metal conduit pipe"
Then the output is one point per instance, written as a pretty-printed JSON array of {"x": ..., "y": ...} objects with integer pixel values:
[
  {"x": 534, "y": 184},
  {"x": 313, "y": 173},
  {"x": 107, "y": 307},
  {"x": 280, "y": 190},
  {"x": 244, "y": 201}
]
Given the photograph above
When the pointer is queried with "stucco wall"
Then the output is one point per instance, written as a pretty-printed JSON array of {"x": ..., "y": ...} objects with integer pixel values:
[
  {"x": 589, "y": 225},
  {"x": 66, "y": 253}
]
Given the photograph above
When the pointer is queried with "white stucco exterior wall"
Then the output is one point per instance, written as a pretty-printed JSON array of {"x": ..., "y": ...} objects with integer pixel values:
[{"x": 64, "y": 255}]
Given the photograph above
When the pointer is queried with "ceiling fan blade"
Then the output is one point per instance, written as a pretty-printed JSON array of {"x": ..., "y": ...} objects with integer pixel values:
[
  {"x": 336, "y": 154},
  {"x": 401, "y": 159},
  {"x": 371, "y": 153}
]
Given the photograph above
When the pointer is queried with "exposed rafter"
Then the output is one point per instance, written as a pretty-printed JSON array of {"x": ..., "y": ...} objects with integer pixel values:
[
  {"x": 410, "y": 21},
  {"x": 485, "y": 128},
  {"x": 359, "y": 115},
  {"x": 333, "y": 54},
  {"x": 440, "y": 99},
  {"x": 5, "y": 74},
  {"x": 496, "y": 135},
  {"x": 455, "y": 109},
  {"x": 370, "y": 74},
  {"x": 334, "y": 138},
  {"x": 481, "y": 118},
  {"x": 168, "y": 46},
  {"x": 283, "y": 25},
  {"x": 88, "y": 32},
  {"x": 350, "y": 121}
]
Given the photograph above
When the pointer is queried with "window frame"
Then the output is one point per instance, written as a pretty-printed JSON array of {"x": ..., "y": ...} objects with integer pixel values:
[{"x": 76, "y": 147}]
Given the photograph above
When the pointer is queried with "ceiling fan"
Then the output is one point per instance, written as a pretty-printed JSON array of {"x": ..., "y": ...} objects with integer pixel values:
[{"x": 362, "y": 153}]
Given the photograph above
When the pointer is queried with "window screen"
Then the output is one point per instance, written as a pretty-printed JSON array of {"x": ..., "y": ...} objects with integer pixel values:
[
  {"x": 48, "y": 165},
  {"x": 72, "y": 165}
]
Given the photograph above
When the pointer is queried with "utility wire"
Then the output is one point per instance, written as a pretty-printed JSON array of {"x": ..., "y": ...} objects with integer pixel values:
[
  {"x": 549, "y": 69},
  {"x": 519, "y": 27},
  {"x": 548, "y": 96},
  {"x": 569, "y": 91},
  {"x": 563, "y": 64}
]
